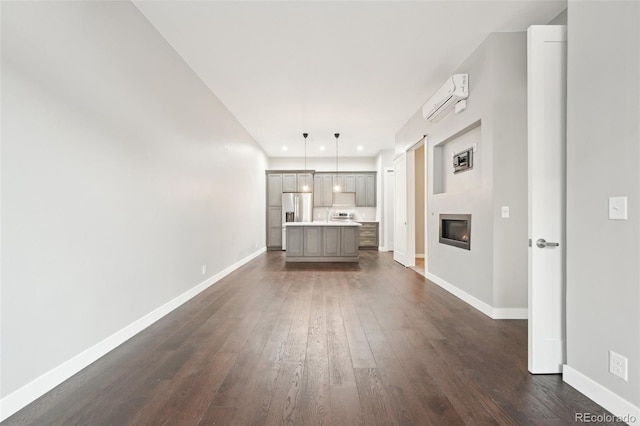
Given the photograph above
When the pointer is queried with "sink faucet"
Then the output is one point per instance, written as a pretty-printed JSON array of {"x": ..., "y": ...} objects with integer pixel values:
[{"x": 328, "y": 214}]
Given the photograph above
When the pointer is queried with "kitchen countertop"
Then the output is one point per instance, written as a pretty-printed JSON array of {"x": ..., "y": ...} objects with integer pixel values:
[{"x": 322, "y": 223}]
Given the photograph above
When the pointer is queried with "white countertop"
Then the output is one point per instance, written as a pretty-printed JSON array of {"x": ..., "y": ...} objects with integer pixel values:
[{"x": 322, "y": 223}]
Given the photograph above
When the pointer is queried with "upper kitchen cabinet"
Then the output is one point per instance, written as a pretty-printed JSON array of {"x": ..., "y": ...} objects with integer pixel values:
[
  {"x": 274, "y": 189},
  {"x": 366, "y": 190},
  {"x": 349, "y": 182},
  {"x": 289, "y": 182},
  {"x": 322, "y": 190},
  {"x": 305, "y": 179}
]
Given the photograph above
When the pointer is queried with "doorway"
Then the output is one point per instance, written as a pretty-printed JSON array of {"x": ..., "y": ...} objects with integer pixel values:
[
  {"x": 411, "y": 205},
  {"x": 420, "y": 206}
]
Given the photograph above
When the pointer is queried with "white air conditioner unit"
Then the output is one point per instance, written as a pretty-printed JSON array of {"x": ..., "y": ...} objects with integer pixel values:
[{"x": 453, "y": 90}]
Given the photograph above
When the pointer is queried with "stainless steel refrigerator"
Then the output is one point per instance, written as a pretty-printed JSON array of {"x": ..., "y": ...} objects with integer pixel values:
[{"x": 296, "y": 207}]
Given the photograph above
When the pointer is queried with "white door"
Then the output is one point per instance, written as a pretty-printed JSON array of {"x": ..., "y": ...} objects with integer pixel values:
[
  {"x": 547, "y": 100},
  {"x": 400, "y": 214},
  {"x": 389, "y": 206}
]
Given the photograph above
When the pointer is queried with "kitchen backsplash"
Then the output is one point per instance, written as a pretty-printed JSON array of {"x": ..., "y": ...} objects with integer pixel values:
[{"x": 364, "y": 214}]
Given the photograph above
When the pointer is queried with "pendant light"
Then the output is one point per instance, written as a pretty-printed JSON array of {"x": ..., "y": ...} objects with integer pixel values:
[
  {"x": 305, "y": 187},
  {"x": 336, "y": 186}
]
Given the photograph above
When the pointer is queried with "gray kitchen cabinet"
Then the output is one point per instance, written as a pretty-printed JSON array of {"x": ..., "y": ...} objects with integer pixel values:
[
  {"x": 274, "y": 189},
  {"x": 289, "y": 182},
  {"x": 366, "y": 190},
  {"x": 305, "y": 179},
  {"x": 327, "y": 190},
  {"x": 322, "y": 242},
  {"x": 370, "y": 197},
  {"x": 331, "y": 241},
  {"x": 312, "y": 241},
  {"x": 318, "y": 194},
  {"x": 322, "y": 190},
  {"x": 274, "y": 227},
  {"x": 349, "y": 182},
  {"x": 338, "y": 180},
  {"x": 349, "y": 241},
  {"x": 295, "y": 241},
  {"x": 368, "y": 235}
]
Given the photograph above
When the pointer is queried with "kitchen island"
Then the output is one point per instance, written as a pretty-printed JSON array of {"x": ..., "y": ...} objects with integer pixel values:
[{"x": 322, "y": 241}]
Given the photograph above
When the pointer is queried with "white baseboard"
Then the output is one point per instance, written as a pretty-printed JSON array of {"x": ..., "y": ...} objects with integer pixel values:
[
  {"x": 510, "y": 313},
  {"x": 618, "y": 406},
  {"x": 33, "y": 390},
  {"x": 485, "y": 308},
  {"x": 420, "y": 256}
]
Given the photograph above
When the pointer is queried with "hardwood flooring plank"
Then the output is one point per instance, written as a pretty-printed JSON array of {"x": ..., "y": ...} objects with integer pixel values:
[
  {"x": 340, "y": 364},
  {"x": 285, "y": 402},
  {"x": 361, "y": 355},
  {"x": 314, "y": 399},
  {"x": 255, "y": 398},
  {"x": 218, "y": 416},
  {"x": 345, "y": 406},
  {"x": 374, "y": 400},
  {"x": 242, "y": 371},
  {"x": 405, "y": 403}
]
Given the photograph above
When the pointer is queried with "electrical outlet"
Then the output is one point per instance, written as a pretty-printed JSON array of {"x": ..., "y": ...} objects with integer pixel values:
[
  {"x": 618, "y": 365},
  {"x": 204, "y": 269}
]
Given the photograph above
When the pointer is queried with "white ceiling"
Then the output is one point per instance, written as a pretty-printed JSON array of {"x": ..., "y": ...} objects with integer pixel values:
[{"x": 360, "y": 68}]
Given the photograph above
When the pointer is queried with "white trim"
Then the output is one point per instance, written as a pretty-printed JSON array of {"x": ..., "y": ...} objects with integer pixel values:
[
  {"x": 419, "y": 256},
  {"x": 382, "y": 248},
  {"x": 617, "y": 405},
  {"x": 461, "y": 294},
  {"x": 510, "y": 313},
  {"x": 485, "y": 308},
  {"x": 33, "y": 390}
]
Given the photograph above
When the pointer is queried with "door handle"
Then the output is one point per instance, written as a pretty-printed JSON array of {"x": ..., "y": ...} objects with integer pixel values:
[{"x": 541, "y": 243}]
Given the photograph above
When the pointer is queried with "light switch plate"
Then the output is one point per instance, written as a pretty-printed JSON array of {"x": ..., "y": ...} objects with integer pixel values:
[
  {"x": 505, "y": 211},
  {"x": 618, "y": 208}
]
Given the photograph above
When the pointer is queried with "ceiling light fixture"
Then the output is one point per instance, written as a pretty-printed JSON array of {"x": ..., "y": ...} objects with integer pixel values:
[
  {"x": 360, "y": 148},
  {"x": 284, "y": 148},
  {"x": 336, "y": 186},
  {"x": 305, "y": 187},
  {"x": 322, "y": 148}
]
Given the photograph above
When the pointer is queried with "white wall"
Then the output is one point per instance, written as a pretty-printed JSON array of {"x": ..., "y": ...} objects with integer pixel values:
[
  {"x": 603, "y": 148},
  {"x": 324, "y": 164},
  {"x": 122, "y": 175},
  {"x": 493, "y": 273}
]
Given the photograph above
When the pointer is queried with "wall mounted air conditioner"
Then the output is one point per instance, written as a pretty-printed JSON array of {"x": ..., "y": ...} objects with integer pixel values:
[{"x": 455, "y": 89}]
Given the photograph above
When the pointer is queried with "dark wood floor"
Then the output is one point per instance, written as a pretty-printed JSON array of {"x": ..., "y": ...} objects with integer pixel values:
[{"x": 304, "y": 344}]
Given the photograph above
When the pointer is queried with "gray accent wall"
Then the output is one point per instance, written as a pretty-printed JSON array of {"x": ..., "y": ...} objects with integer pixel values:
[
  {"x": 122, "y": 175},
  {"x": 603, "y": 149},
  {"x": 494, "y": 271}
]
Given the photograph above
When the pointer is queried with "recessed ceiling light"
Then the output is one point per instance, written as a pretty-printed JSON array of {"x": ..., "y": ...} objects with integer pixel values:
[
  {"x": 360, "y": 148},
  {"x": 322, "y": 148},
  {"x": 284, "y": 148}
]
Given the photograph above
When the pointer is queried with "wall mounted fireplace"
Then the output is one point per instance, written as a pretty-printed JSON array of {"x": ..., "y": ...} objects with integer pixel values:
[{"x": 455, "y": 230}]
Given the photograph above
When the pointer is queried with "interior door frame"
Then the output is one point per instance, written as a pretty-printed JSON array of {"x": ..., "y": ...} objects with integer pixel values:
[
  {"x": 400, "y": 219},
  {"x": 388, "y": 184}
]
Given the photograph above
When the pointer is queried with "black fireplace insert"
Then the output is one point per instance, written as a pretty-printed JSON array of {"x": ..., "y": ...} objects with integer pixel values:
[{"x": 455, "y": 230}]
